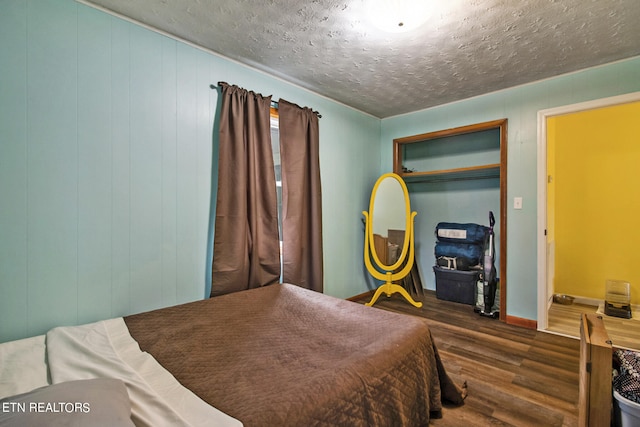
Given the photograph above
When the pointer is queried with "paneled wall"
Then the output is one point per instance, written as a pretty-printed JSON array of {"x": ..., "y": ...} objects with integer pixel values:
[
  {"x": 106, "y": 148},
  {"x": 520, "y": 106},
  {"x": 106, "y": 154}
]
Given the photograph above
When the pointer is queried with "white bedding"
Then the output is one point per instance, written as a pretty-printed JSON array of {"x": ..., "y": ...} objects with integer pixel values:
[
  {"x": 22, "y": 366},
  {"x": 105, "y": 350}
]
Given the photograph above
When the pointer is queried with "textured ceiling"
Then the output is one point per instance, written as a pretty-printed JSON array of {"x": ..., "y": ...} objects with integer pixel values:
[{"x": 466, "y": 48}]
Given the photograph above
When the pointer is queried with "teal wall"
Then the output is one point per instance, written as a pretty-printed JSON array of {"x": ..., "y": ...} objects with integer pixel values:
[
  {"x": 520, "y": 106},
  {"x": 106, "y": 167},
  {"x": 106, "y": 156}
]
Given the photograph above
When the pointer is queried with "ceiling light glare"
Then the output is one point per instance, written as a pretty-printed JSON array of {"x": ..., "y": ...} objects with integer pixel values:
[{"x": 398, "y": 16}]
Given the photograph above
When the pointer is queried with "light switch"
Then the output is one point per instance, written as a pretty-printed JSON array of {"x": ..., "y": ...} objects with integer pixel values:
[{"x": 517, "y": 203}]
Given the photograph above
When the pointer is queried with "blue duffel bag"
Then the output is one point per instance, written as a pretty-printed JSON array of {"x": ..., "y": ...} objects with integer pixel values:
[
  {"x": 461, "y": 233},
  {"x": 472, "y": 252}
]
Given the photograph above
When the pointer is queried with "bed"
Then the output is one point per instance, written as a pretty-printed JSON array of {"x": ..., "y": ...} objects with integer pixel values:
[{"x": 277, "y": 355}]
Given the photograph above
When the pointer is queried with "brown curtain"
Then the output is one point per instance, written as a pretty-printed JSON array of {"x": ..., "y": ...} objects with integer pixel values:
[
  {"x": 301, "y": 196},
  {"x": 245, "y": 249}
]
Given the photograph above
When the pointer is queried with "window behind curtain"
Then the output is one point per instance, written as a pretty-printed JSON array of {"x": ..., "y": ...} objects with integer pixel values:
[{"x": 275, "y": 147}]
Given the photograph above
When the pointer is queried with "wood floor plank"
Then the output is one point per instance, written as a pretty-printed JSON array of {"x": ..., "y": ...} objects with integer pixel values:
[
  {"x": 565, "y": 320},
  {"x": 546, "y": 369},
  {"x": 546, "y": 385},
  {"x": 515, "y": 376}
]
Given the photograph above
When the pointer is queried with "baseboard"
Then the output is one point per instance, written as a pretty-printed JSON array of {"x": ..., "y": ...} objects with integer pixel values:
[
  {"x": 524, "y": 323},
  {"x": 587, "y": 301},
  {"x": 598, "y": 302},
  {"x": 367, "y": 294}
]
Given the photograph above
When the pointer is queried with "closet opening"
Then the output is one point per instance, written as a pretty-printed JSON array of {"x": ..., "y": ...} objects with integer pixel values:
[{"x": 457, "y": 175}]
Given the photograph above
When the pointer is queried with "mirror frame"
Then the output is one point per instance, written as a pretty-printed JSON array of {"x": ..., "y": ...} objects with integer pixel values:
[
  {"x": 390, "y": 273},
  {"x": 407, "y": 222}
]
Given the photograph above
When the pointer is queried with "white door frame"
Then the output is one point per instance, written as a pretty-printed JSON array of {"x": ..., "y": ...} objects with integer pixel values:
[{"x": 544, "y": 299}]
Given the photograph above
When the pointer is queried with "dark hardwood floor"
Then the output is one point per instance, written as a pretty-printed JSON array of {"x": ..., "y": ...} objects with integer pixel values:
[{"x": 515, "y": 376}]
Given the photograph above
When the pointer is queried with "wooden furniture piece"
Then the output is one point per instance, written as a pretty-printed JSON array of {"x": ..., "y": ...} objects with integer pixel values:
[
  {"x": 463, "y": 153},
  {"x": 381, "y": 244},
  {"x": 596, "y": 355},
  {"x": 412, "y": 282}
]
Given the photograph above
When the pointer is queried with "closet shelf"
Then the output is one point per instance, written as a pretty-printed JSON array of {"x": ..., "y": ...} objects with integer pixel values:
[{"x": 458, "y": 174}]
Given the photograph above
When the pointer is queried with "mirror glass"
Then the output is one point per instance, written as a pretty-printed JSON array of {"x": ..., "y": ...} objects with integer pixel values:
[{"x": 389, "y": 221}]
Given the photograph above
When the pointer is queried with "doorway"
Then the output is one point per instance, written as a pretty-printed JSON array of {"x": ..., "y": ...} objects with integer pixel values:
[{"x": 548, "y": 213}]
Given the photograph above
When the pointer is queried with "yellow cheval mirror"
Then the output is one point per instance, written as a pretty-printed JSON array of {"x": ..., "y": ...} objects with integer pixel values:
[{"x": 389, "y": 240}]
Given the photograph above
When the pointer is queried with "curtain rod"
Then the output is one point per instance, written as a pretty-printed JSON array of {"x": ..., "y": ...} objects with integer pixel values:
[{"x": 274, "y": 104}]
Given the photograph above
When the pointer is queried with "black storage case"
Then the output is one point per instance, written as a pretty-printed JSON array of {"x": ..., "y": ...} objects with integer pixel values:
[{"x": 456, "y": 285}]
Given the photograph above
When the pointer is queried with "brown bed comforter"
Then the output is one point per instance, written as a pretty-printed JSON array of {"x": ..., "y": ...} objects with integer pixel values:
[{"x": 286, "y": 356}]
